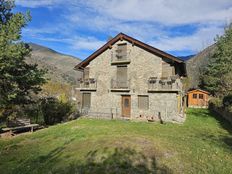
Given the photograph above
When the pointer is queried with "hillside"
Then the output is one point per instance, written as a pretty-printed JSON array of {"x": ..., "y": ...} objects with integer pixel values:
[
  {"x": 196, "y": 64},
  {"x": 185, "y": 58},
  {"x": 59, "y": 66}
]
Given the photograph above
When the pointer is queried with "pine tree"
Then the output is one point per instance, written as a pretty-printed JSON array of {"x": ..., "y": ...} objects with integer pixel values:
[
  {"x": 19, "y": 81},
  {"x": 217, "y": 77}
]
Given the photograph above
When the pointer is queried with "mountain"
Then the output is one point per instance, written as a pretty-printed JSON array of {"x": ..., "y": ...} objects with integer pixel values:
[
  {"x": 196, "y": 65},
  {"x": 59, "y": 66},
  {"x": 185, "y": 58}
]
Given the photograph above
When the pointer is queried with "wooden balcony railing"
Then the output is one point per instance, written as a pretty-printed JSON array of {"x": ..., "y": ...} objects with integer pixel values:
[
  {"x": 120, "y": 85},
  {"x": 87, "y": 84},
  {"x": 164, "y": 84}
]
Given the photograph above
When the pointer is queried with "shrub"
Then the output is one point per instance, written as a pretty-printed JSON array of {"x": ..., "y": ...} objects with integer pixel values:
[
  {"x": 55, "y": 111},
  {"x": 227, "y": 102},
  {"x": 215, "y": 102}
]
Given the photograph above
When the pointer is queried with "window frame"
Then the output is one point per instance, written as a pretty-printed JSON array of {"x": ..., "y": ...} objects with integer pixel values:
[
  {"x": 84, "y": 102},
  {"x": 201, "y": 95},
  {"x": 194, "y": 96},
  {"x": 147, "y": 101}
]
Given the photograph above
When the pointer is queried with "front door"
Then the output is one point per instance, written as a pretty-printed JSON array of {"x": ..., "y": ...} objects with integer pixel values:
[{"x": 126, "y": 106}]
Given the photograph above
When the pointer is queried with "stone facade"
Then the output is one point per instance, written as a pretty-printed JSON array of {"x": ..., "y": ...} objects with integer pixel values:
[{"x": 105, "y": 101}]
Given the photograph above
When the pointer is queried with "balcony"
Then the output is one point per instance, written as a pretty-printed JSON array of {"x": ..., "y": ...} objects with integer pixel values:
[
  {"x": 117, "y": 85},
  {"x": 164, "y": 84},
  {"x": 120, "y": 57},
  {"x": 89, "y": 84}
]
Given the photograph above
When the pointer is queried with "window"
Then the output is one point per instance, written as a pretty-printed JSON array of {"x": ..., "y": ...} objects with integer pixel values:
[
  {"x": 122, "y": 77},
  {"x": 143, "y": 102},
  {"x": 86, "y": 100},
  {"x": 126, "y": 103},
  {"x": 201, "y": 96},
  {"x": 194, "y": 96},
  {"x": 121, "y": 51}
]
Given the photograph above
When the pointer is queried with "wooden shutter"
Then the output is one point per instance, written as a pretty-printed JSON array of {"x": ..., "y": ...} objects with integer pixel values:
[
  {"x": 122, "y": 74},
  {"x": 143, "y": 102},
  {"x": 121, "y": 50},
  {"x": 86, "y": 100}
]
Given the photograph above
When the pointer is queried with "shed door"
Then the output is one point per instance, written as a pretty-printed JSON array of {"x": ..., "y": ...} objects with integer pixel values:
[{"x": 126, "y": 106}]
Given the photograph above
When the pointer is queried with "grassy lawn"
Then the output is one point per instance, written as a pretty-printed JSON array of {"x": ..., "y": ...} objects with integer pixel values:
[{"x": 203, "y": 144}]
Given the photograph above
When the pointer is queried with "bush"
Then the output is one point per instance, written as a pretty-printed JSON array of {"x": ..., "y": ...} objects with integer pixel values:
[
  {"x": 55, "y": 111},
  {"x": 215, "y": 102},
  {"x": 227, "y": 102},
  {"x": 33, "y": 111}
]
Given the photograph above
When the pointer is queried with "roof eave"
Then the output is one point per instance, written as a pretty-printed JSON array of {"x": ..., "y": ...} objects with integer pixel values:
[{"x": 122, "y": 36}]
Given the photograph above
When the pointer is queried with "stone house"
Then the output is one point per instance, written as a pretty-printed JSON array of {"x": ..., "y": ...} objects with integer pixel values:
[{"x": 127, "y": 78}]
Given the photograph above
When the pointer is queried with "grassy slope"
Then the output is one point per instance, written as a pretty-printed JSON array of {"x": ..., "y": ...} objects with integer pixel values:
[{"x": 202, "y": 144}]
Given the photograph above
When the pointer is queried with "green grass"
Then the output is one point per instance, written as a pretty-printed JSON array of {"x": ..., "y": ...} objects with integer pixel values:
[{"x": 203, "y": 144}]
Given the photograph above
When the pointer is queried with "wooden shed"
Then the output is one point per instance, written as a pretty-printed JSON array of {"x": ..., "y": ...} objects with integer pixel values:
[{"x": 198, "y": 98}]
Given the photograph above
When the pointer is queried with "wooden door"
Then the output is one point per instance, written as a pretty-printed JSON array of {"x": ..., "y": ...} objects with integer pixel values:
[{"x": 126, "y": 106}]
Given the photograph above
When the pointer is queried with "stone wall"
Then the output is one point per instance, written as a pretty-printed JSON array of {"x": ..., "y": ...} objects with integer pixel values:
[{"x": 143, "y": 65}]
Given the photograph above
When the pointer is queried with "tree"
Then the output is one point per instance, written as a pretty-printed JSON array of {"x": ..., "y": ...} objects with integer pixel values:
[
  {"x": 217, "y": 78},
  {"x": 19, "y": 81}
]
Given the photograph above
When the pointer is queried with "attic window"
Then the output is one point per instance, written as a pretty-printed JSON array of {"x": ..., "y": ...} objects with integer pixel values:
[
  {"x": 122, "y": 47},
  {"x": 121, "y": 51}
]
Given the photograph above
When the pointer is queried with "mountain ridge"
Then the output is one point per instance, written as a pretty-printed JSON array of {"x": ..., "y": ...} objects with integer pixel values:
[
  {"x": 197, "y": 64},
  {"x": 60, "y": 66}
]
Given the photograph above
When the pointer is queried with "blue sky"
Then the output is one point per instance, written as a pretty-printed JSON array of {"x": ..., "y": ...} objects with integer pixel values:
[{"x": 79, "y": 27}]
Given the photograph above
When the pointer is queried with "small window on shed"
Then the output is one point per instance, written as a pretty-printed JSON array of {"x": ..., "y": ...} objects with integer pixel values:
[
  {"x": 194, "y": 96},
  {"x": 201, "y": 96},
  {"x": 143, "y": 102}
]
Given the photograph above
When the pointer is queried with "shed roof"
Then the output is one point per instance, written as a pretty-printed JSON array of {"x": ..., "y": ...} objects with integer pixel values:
[{"x": 199, "y": 90}]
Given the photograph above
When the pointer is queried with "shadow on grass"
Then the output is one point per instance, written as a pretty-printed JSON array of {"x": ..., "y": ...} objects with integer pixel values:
[
  {"x": 34, "y": 163},
  {"x": 103, "y": 161},
  {"x": 223, "y": 122},
  {"x": 204, "y": 113},
  {"x": 225, "y": 125},
  {"x": 121, "y": 161},
  {"x": 226, "y": 139}
]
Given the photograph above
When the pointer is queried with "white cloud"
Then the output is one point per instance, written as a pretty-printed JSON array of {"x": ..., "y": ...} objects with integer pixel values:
[
  {"x": 35, "y": 3},
  {"x": 147, "y": 20},
  {"x": 86, "y": 43},
  {"x": 75, "y": 42},
  {"x": 196, "y": 42},
  {"x": 165, "y": 11}
]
